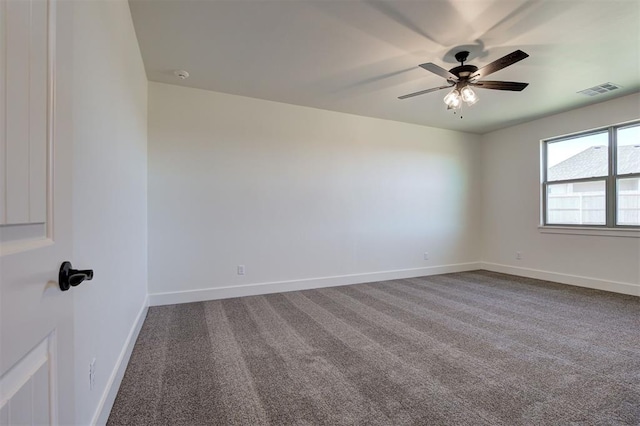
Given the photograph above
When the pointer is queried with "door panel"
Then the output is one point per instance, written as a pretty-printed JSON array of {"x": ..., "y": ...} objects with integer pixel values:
[
  {"x": 28, "y": 387},
  {"x": 35, "y": 217},
  {"x": 25, "y": 120}
]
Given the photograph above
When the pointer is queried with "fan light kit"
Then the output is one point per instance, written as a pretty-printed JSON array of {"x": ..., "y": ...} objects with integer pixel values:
[
  {"x": 455, "y": 97},
  {"x": 465, "y": 77}
]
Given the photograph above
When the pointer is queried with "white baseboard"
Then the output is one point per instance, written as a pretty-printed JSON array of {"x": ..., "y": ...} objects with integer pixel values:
[
  {"x": 580, "y": 281},
  {"x": 101, "y": 415},
  {"x": 214, "y": 293}
]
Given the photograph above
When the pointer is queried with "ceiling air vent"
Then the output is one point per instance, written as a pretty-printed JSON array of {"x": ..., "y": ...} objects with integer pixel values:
[{"x": 599, "y": 89}]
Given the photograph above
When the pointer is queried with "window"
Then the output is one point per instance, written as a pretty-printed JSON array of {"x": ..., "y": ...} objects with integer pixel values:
[{"x": 593, "y": 179}]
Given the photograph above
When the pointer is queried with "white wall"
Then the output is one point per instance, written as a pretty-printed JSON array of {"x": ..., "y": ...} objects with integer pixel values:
[
  {"x": 511, "y": 206},
  {"x": 296, "y": 193},
  {"x": 109, "y": 192}
]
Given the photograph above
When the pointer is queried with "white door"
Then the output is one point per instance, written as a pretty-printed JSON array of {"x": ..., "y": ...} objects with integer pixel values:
[{"x": 36, "y": 317}]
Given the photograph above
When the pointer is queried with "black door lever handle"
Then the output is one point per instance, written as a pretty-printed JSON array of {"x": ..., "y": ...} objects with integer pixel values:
[{"x": 68, "y": 277}]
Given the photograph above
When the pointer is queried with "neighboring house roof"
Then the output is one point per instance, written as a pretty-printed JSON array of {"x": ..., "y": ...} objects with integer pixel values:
[{"x": 593, "y": 162}]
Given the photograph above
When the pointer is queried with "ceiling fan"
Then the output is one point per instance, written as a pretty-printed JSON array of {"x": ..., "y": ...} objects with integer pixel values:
[{"x": 464, "y": 77}]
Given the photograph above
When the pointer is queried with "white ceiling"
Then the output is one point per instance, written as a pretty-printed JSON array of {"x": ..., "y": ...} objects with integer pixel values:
[{"x": 358, "y": 56}]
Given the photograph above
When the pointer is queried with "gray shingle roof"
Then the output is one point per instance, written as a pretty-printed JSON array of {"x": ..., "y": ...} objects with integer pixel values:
[{"x": 593, "y": 162}]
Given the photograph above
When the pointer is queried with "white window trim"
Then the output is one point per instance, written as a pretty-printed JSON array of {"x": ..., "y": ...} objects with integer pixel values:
[
  {"x": 589, "y": 230},
  {"x": 632, "y": 231}
]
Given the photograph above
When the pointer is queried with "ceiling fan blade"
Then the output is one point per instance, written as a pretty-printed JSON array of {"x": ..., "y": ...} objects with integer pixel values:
[
  {"x": 422, "y": 92},
  {"x": 497, "y": 65},
  {"x": 430, "y": 66},
  {"x": 501, "y": 85}
]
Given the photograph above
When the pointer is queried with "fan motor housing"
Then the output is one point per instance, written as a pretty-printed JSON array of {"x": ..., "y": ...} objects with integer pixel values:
[{"x": 463, "y": 71}]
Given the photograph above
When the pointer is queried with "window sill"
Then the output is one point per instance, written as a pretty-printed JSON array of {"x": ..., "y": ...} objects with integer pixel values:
[{"x": 583, "y": 230}]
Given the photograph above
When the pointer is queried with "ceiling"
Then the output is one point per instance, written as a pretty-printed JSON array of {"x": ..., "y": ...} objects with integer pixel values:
[{"x": 358, "y": 56}]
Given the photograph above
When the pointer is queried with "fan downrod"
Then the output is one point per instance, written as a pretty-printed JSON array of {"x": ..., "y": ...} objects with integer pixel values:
[{"x": 462, "y": 56}]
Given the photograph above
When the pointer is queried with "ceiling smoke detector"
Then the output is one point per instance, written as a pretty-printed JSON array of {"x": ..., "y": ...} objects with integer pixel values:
[{"x": 181, "y": 74}]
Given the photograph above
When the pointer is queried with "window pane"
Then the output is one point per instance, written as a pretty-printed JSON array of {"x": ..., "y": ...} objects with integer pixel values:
[
  {"x": 579, "y": 203},
  {"x": 628, "y": 201},
  {"x": 629, "y": 150},
  {"x": 582, "y": 157}
]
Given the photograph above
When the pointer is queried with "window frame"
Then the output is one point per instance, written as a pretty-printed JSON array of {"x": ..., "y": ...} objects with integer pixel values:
[{"x": 610, "y": 179}]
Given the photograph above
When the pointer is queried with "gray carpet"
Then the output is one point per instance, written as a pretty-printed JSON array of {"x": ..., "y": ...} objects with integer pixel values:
[{"x": 473, "y": 348}]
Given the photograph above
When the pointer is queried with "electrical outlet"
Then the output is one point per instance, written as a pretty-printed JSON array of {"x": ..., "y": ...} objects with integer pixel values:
[
  {"x": 92, "y": 374},
  {"x": 518, "y": 255},
  {"x": 240, "y": 269},
  {"x": 426, "y": 255}
]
